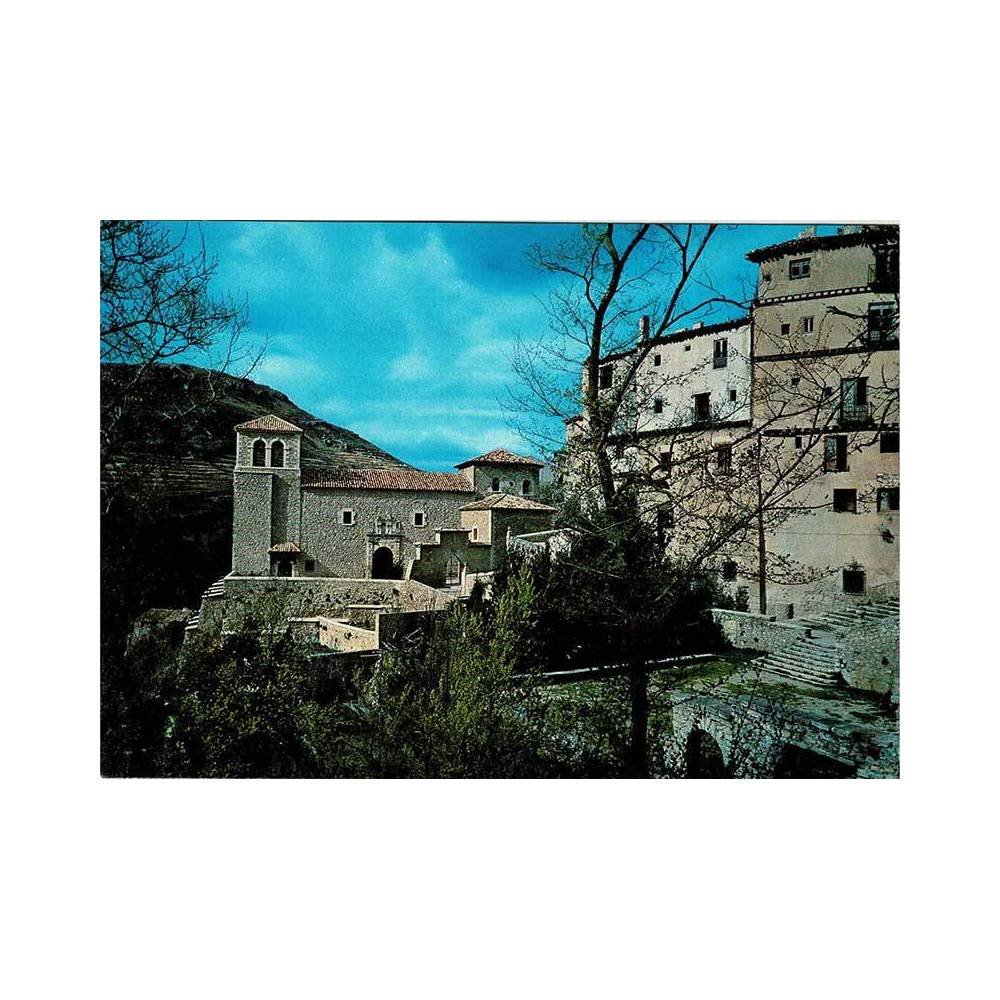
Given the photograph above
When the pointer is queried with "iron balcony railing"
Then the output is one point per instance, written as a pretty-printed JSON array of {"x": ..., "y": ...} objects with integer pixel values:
[{"x": 852, "y": 414}]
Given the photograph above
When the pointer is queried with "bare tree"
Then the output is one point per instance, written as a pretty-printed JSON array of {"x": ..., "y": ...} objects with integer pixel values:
[{"x": 157, "y": 306}]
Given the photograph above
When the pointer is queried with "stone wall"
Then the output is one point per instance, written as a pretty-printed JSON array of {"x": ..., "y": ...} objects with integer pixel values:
[
  {"x": 392, "y": 627},
  {"x": 745, "y": 630},
  {"x": 432, "y": 559},
  {"x": 871, "y": 656},
  {"x": 338, "y": 636},
  {"x": 511, "y": 479},
  {"x": 277, "y": 599},
  {"x": 251, "y": 524},
  {"x": 345, "y": 550}
]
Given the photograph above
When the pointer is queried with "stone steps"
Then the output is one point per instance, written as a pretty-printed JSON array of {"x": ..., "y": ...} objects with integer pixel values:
[{"x": 815, "y": 659}]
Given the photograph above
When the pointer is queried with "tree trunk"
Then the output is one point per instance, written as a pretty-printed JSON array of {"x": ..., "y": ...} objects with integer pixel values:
[
  {"x": 638, "y": 756},
  {"x": 761, "y": 545}
]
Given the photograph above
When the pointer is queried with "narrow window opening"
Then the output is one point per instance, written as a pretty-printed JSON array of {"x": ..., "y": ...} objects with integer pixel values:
[
  {"x": 606, "y": 376},
  {"x": 835, "y": 454},
  {"x": 278, "y": 455},
  {"x": 657, "y": 405},
  {"x": 729, "y": 570},
  {"x": 347, "y": 517},
  {"x": 259, "y": 451},
  {"x": 888, "y": 442},
  {"x": 495, "y": 484}
]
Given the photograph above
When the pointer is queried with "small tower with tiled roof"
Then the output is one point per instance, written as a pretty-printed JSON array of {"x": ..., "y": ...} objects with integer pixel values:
[
  {"x": 267, "y": 497},
  {"x": 501, "y": 471}
]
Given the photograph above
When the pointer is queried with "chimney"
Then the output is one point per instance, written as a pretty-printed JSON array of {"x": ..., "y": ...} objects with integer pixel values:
[{"x": 643, "y": 329}]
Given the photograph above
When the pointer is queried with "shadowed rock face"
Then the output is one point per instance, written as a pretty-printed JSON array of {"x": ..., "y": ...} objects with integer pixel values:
[{"x": 167, "y": 479}]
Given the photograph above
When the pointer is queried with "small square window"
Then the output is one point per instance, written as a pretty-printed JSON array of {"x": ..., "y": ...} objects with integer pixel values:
[
  {"x": 687, "y": 347},
  {"x": 347, "y": 517},
  {"x": 310, "y": 565},
  {"x": 732, "y": 395},
  {"x": 729, "y": 570},
  {"x": 418, "y": 518},
  {"x": 827, "y": 392},
  {"x": 888, "y": 442},
  {"x": 656, "y": 360},
  {"x": 724, "y": 458},
  {"x": 845, "y": 501},
  {"x": 665, "y": 462},
  {"x": 786, "y": 329},
  {"x": 796, "y": 381},
  {"x": 799, "y": 268},
  {"x": 888, "y": 499},
  {"x": 606, "y": 374},
  {"x": 854, "y": 581},
  {"x": 657, "y": 405},
  {"x": 798, "y": 441}
]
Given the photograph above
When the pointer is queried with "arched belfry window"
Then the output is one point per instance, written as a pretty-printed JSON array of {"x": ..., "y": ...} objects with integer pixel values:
[
  {"x": 259, "y": 450},
  {"x": 278, "y": 455}
]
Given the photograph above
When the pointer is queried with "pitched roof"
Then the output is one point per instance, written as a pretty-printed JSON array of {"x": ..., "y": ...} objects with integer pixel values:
[
  {"x": 804, "y": 244},
  {"x": 285, "y": 547},
  {"x": 499, "y": 456},
  {"x": 386, "y": 479},
  {"x": 506, "y": 501},
  {"x": 268, "y": 423}
]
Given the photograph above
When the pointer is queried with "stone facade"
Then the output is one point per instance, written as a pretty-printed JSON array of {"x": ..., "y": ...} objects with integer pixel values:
[{"x": 811, "y": 377}]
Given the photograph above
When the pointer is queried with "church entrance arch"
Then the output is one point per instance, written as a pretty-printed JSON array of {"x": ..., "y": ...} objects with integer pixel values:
[{"x": 382, "y": 561}]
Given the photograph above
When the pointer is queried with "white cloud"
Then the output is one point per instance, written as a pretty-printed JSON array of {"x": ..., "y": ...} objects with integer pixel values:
[{"x": 410, "y": 367}]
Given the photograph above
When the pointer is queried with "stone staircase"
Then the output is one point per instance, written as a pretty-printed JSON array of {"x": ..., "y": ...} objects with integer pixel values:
[
  {"x": 815, "y": 657},
  {"x": 217, "y": 589}
]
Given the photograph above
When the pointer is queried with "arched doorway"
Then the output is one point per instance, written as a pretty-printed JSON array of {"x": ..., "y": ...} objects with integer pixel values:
[
  {"x": 702, "y": 756},
  {"x": 382, "y": 563}
]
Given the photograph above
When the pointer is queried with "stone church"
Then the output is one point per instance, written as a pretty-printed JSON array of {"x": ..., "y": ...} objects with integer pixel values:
[{"x": 375, "y": 523}]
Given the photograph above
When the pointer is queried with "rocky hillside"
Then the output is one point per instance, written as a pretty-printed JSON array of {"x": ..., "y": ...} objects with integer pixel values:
[{"x": 167, "y": 478}]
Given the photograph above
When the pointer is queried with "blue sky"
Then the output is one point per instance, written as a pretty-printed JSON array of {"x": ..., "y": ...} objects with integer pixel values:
[{"x": 403, "y": 332}]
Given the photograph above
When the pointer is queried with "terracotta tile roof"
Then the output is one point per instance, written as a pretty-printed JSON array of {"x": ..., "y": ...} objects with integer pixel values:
[
  {"x": 500, "y": 456},
  {"x": 268, "y": 423},
  {"x": 506, "y": 501},
  {"x": 285, "y": 547},
  {"x": 386, "y": 479}
]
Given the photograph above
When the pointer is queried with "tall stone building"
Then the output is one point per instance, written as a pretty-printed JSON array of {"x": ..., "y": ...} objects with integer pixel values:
[{"x": 783, "y": 422}]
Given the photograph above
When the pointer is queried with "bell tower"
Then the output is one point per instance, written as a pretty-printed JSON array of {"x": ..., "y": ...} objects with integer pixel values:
[{"x": 267, "y": 497}]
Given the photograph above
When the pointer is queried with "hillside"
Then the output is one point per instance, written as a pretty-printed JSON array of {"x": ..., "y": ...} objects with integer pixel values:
[{"x": 166, "y": 528}]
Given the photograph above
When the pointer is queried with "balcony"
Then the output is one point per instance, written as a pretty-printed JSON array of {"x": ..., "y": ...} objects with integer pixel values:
[{"x": 855, "y": 414}]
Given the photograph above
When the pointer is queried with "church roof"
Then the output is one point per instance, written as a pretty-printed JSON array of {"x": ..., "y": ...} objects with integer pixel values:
[
  {"x": 506, "y": 501},
  {"x": 268, "y": 423},
  {"x": 387, "y": 479},
  {"x": 500, "y": 456}
]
